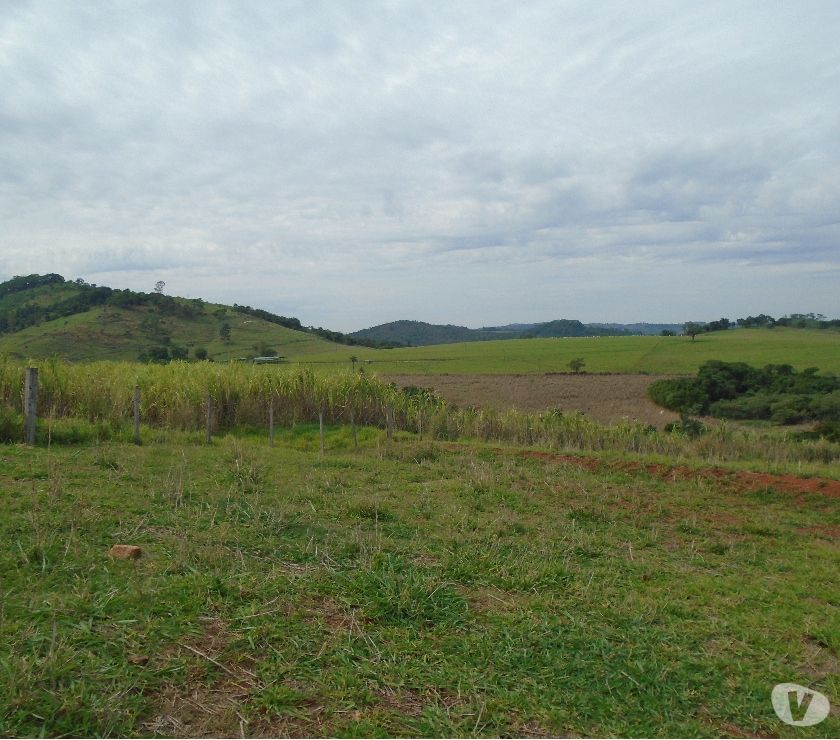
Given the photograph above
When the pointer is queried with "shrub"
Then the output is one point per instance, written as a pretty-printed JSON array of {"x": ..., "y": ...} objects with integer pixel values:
[
  {"x": 679, "y": 394},
  {"x": 829, "y": 430},
  {"x": 11, "y": 425},
  {"x": 826, "y": 407},
  {"x": 748, "y": 407},
  {"x": 734, "y": 390},
  {"x": 687, "y": 426}
]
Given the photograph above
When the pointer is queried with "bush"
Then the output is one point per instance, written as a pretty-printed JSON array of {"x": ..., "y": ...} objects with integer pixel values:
[
  {"x": 826, "y": 407},
  {"x": 679, "y": 394},
  {"x": 791, "y": 409},
  {"x": 734, "y": 390},
  {"x": 748, "y": 407},
  {"x": 829, "y": 430},
  {"x": 687, "y": 426}
]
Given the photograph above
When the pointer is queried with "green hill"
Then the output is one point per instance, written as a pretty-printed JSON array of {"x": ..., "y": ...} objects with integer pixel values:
[
  {"x": 420, "y": 334},
  {"x": 44, "y": 316},
  {"x": 572, "y": 328}
]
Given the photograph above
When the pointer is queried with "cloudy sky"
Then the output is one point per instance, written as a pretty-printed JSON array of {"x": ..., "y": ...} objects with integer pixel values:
[{"x": 478, "y": 163}]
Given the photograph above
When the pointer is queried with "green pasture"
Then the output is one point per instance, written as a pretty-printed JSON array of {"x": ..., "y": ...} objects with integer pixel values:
[
  {"x": 403, "y": 589},
  {"x": 655, "y": 355},
  {"x": 112, "y": 333}
]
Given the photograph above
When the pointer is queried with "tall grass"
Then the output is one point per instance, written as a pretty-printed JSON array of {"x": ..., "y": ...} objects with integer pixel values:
[
  {"x": 174, "y": 396},
  {"x": 721, "y": 443}
]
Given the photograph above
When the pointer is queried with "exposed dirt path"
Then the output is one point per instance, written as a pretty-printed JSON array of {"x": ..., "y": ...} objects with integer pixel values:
[
  {"x": 742, "y": 480},
  {"x": 604, "y": 398}
]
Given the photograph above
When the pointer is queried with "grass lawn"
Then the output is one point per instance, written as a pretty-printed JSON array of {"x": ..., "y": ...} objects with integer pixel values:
[{"x": 404, "y": 589}]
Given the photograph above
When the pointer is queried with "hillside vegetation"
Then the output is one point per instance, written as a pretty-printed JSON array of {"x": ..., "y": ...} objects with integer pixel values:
[
  {"x": 114, "y": 333},
  {"x": 45, "y": 316}
]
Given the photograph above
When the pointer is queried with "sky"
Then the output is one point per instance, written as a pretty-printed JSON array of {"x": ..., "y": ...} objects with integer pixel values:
[{"x": 474, "y": 163}]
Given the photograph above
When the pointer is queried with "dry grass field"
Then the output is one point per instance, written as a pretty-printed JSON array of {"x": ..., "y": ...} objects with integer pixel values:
[{"x": 604, "y": 398}]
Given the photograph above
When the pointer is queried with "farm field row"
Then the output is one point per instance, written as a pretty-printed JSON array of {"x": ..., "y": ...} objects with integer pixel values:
[
  {"x": 650, "y": 355},
  {"x": 608, "y": 399},
  {"x": 420, "y": 589}
]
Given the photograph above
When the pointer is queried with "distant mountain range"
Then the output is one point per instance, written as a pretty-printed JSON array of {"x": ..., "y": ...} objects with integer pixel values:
[{"x": 420, "y": 333}]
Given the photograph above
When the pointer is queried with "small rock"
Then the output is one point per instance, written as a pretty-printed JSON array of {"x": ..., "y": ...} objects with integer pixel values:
[
  {"x": 138, "y": 659},
  {"x": 125, "y": 552}
]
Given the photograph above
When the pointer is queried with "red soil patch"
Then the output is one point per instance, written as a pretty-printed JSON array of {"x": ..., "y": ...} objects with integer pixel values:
[
  {"x": 824, "y": 530},
  {"x": 741, "y": 480}
]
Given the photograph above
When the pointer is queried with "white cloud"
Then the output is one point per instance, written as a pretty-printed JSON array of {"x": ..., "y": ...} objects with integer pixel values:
[{"x": 351, "y": 164}]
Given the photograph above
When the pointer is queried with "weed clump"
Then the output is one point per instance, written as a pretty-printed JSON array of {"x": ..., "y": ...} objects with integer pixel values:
[
  {"x": 688, "y": 426},
  {"x": 395, "y": 592}
]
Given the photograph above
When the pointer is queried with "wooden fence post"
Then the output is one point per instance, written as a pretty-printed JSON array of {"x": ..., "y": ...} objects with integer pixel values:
[
  {"x": 420, "y": 424},
  {"x": 321, "y": 426},
  {"x": 389, "y": 420},
  {"x": 209, "y": 427},
  {"x": 136, "y": 405},
  {"x": 353, "y": 428},
  {"x": 30, "y": 408},
  {"x": 271, "y": 425}
]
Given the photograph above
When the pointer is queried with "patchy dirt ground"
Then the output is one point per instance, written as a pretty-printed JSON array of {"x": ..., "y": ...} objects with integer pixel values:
[
  {"x": 741, "y": 480},
  {"x": 605, "y": 398}
]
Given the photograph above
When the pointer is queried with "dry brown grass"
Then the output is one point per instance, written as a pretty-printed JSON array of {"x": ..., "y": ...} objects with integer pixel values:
[{"x": 201, "y": 708}]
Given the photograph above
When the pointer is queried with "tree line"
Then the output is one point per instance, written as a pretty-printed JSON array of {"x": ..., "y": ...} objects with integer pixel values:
[
  {"x": 762, "y": 321},
  {"x": 332, "y": 336}
]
